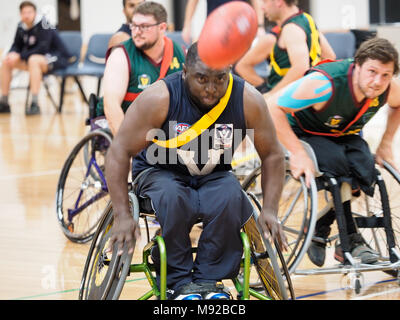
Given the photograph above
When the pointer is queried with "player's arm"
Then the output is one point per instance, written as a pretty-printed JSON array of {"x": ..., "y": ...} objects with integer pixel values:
[
  {"x": 326, "y": 49},
  {"x": 187, "y": 23},
  {"x": 147, "y": 112},
  {"x": 260, "y": 16},
  {"x": 115, "y": 84},
  {"x": 312, "y": 90},
  {"x": 117, "y": 38},
  {"x": 293, "y": 39},
  {"x": 256, "y": 54},
  {"x": 384, "y": 150},
  {"x": 272, "y": 161}
]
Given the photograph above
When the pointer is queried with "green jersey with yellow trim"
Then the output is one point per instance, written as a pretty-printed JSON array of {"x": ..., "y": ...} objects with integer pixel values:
[
  {"x": 143, "y": 71},
  {"x": 279, "y": 58}
]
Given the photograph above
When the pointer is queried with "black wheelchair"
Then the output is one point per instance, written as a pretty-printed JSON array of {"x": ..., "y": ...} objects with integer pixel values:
[
  {"x": 105, "y": 273},
  {"x": 82, "y": 192},
  {"x": 376, "y": 217}
]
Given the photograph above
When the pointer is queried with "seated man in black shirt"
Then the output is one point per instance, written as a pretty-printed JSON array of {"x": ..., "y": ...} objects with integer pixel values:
[{"x": 38, "y": 49}]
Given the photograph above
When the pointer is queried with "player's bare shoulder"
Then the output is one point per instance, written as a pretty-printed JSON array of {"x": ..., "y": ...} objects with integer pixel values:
[
  {"x": 152, "y": 103},
  {"x": 254, "y": 105},
  {"x": 252, "y": 98}
]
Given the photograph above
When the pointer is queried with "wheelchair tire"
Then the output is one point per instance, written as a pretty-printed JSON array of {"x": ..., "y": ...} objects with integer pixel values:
[
  {"x": 105, "y": 273},
  {"x": 268, "y": 259},
  {"x": 366, "y": 206},
  {"x": 82, "y": 192},
  {"x": 297, "y": 214}
]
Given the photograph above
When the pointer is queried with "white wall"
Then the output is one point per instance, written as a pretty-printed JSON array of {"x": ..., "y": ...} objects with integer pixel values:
[
  {"x": 340, "y": 14},
  {"x": 390, "y": 32}
]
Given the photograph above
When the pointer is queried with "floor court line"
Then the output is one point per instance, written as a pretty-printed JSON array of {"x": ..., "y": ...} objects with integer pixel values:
[{"x": 348, "y": 288}]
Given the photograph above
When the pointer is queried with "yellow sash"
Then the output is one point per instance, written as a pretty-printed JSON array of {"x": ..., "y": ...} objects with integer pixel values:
[
  {"x": 315, "y": 50},
  {"x": 202, "y": 124}
]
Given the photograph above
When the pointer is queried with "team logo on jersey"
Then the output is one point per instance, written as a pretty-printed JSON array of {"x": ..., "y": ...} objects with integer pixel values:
[
  {"x": 223, "y": 136},
  {"x": 375, "y": 102},
  {"x": 144, "y": 81},
  {"x": 174, "y": 64},
  {"x": 181, "y": 127},
  {"x": 334, "y": 121}
]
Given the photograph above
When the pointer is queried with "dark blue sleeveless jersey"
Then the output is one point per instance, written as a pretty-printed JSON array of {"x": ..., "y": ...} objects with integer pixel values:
[{"x": 212, "y": 150}]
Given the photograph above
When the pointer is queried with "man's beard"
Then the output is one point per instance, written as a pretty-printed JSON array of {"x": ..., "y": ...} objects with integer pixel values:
[
  {"x": 367, "y": 95},
  {"x": 147, "y": 45}
]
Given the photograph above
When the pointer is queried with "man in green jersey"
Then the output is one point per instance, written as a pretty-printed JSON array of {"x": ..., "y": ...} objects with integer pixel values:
[
  {"x": 296, "y": 45},
  {"x": 138, "y": 62},
  {"x": 327, "y": 108}
]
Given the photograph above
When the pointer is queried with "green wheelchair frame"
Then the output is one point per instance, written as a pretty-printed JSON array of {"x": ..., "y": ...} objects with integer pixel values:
[{"x": 105, "y": 272}]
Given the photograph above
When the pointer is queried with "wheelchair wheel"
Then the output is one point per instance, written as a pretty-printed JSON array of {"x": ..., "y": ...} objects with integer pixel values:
[
  {"x": 268, "y": 259},
  {"x": 105, "y": 273},
  {"x": 82, "y": 192},
  {"x": 366, "y": 206},
  {"x": 252, "y": 183},
  {"x": 297, "y": 214}
]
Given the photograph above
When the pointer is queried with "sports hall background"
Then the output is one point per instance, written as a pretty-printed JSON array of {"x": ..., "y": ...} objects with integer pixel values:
[{"x": 38, "y": 262}]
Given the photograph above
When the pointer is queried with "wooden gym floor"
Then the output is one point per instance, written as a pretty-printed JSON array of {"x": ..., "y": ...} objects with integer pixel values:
[{"x": 39, "y": 262}]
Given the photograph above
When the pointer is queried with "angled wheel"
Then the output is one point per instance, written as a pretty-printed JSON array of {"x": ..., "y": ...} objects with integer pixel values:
[
  {"x": 372, "y": 207},
  {"x": 82, "y": 192},
  {"x": 105, "y": 273},
  {"x": 267, "y": 259},
  {"x": 297, "y": 213}
]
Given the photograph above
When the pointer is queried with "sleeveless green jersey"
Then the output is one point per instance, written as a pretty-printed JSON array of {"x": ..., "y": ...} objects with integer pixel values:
[
  {"x": 341, "y": 109},
  {"x": 279, "y": 58},
  {"x": 143, "y": 71}
]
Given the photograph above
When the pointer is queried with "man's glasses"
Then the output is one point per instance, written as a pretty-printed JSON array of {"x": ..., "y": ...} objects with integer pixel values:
[{"x": 142, "y": 27}]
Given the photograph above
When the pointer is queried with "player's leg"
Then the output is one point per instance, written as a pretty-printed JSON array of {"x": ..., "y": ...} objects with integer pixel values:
[
  {"x": 224, "y": 208},
  {"x": 37, "y": 66},
  {"x": 176, "y": 205},
  {"x": 331, "y": 160},
  {"x": 10, "y": 62}
]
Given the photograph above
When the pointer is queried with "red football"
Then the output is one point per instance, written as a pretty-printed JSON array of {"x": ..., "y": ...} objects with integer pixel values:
[{"x": 227, "y": 34}]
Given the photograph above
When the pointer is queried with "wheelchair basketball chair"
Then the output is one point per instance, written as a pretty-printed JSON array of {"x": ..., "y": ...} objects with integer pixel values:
[
  {"x": 105, "y": 273},
  {"x": 377, "y": 218},
  {"x": 82, "y": 192}
]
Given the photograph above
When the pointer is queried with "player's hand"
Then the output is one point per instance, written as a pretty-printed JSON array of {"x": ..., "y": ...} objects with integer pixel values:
[
  {"x": 125, "y": 230},
  {"x": 186, "y": 35},
  {"x": 384, "y": 152},
  {"x": 301, "y": 164},
  {"x": 272, "y": 228}
]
